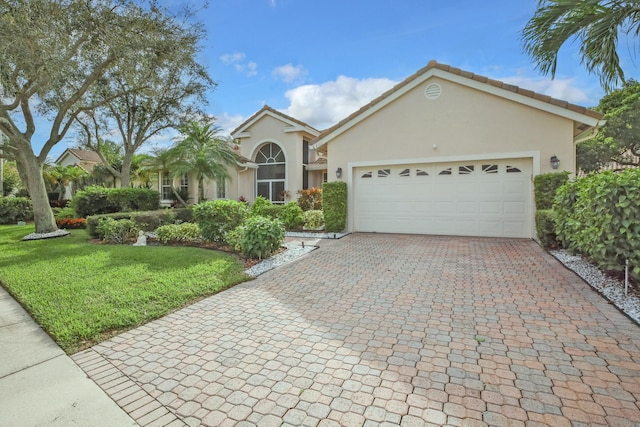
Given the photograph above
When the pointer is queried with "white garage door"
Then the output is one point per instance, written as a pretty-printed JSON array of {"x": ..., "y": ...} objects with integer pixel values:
[{"x": 479, "y": 198}]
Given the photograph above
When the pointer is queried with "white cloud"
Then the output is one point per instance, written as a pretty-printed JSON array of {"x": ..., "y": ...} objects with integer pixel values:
[
  {"x": 228, "y": 122},
  {"x": 324, "y": 105},
  {"x": 288, "y": 73},
  {"x": 230, "y": 58},
  {"x": 564, "y": 89},
  {"x": 237, "y": 59}
]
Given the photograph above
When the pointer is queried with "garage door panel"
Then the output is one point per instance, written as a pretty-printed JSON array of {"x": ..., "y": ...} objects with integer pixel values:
[{"x": 476, "y": 198}]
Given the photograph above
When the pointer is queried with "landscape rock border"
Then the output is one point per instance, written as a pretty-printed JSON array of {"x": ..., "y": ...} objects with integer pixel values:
[{"x": 609, "y": 287}]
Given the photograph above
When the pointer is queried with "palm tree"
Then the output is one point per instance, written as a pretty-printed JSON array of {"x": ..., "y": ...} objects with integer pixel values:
[
  {"x": 594, "y": 23},
  {"x": 204, "y": 153},
  {"x": 162, "y": 161},
  {"x": 61, "y": 176}
]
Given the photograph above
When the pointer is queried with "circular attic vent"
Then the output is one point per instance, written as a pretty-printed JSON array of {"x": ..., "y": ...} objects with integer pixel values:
[{"x": 433, "y": 91}]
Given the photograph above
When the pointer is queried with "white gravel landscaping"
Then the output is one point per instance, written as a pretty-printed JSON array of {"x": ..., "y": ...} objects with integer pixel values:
[
  {"x": 609, "y": 287},
  {"x": 295, "y": 250}
]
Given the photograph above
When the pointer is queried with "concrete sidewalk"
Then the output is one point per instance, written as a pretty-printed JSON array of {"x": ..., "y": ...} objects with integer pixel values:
[{"x": 40, "y": 385}]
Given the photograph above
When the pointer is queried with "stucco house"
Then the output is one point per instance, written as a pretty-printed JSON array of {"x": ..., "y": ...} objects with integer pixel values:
[
  {"x": 83, "y": 159},
  {"x": 443, "y": 152}
]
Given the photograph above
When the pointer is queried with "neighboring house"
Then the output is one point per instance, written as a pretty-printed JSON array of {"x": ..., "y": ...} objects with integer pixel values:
[
  {"x": 444, "y": 152},
  {"x": 83, "y": 159}
]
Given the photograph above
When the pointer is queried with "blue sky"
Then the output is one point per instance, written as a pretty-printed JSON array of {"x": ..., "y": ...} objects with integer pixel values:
[{"x": 318, "y": 61}]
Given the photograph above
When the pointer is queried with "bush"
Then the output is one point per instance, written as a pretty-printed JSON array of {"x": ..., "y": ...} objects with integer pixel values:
[
  {"x": 234, "y": 238},
  {"x": 216, "y": 218},
  {"x": 273, "y": 211},
  {"x": 61, "y": 213},
  {"x": 176, "y": 233},
  {"x": 292, "y": 216},
  {"x": 146, "y": 221},
  {"x": 71, "y": 223},
  {"x": 335, "y": 205},
  {"x": 545, "y": 188},
  {"x": 597, "y": 216},
  {"x": 100, "y": 200},
  {"x": 260, "y": 237},
  {"x": 545, "y": 224},
  {"x": 313, "y": 220},
  {"x": 259, "y": 205},
  {"x": 151, "y": 220},
  {"x": 310, "y": 199},
  {"x": 117, "y": 231},
  {"x": 182, "y": 215},
  {"x": 14, "y": 209},
  {"x": 93, "y": 200}
]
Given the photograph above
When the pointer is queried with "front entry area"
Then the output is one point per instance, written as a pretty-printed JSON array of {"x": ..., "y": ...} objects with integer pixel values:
[{"x": 490, "y": 198}]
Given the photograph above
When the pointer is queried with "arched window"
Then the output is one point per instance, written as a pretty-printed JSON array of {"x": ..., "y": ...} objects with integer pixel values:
[{"x": 271, "y": 173}]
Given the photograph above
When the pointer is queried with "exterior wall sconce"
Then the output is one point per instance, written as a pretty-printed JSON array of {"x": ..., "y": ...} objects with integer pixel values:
[
  {"x": 555, "y": 162},
  {"x": 339, "y": 173}
]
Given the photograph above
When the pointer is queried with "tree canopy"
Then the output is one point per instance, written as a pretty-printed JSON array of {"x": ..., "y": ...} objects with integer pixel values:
[
  {"x": 58, "y": 59},
  {"x": 619, "y": 139},
  {"x": 595, "y": 24}
]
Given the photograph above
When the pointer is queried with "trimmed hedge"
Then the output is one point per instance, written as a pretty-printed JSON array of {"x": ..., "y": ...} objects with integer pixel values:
[
  {"x": 14, "y": 209},
  {"x": 335, "y": 205},
  {"x": 545, "y": 225},
  {"x": 598, "y": 216},
  {"x": 146, "y": 221},
  {"x": 100, "y": 200},
  {"x": 545, "y": 188}
]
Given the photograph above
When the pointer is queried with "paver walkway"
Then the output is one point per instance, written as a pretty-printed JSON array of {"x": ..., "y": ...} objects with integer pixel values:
[{"x": 386, "y": 330}]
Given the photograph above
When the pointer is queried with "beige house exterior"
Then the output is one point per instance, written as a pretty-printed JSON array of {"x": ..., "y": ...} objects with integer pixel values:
[
  {"x": 444, "y": 152},
  {"x": 449, "y": 152}
]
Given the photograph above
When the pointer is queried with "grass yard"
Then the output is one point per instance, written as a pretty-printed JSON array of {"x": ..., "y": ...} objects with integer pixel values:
[{"x": 82, "y": 293}]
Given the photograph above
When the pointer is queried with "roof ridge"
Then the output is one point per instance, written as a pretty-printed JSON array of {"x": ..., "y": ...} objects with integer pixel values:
[{"x": 433, "y": 64}]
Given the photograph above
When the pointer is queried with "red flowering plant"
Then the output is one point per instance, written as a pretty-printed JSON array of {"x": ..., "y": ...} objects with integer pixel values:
[{"x": 71, "y": 223}]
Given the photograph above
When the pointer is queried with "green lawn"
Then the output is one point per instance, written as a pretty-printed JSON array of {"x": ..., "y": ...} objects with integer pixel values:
[{"x": 82, "y": 293}]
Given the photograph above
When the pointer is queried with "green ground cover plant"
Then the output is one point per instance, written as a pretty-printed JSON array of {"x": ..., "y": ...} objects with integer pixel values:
[{"x": 83, "y": 293}]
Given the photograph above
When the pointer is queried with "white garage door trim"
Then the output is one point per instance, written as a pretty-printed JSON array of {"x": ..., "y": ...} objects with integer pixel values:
[{"x": 421, "y": 198}]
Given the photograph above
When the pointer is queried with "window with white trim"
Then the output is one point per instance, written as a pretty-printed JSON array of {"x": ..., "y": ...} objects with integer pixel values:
[
  {"x": 221, "y": 188},
  {"x": 165, "y": 187},
  {"x": 271, "y": 174}
]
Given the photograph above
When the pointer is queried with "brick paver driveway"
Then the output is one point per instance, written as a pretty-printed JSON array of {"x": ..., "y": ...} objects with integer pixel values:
[{"x": 386, "y": 330}]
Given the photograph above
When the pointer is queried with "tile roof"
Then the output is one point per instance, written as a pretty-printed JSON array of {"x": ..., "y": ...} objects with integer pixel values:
[
  {"x": 482, "y": 79},
  {"x": 85, "y": 155},
  {"x": 276, "y": 112}
]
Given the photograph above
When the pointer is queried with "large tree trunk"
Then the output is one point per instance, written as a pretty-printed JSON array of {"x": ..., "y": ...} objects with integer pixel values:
[
  {"x": 42, "y": 213},
  {"x": 125, "y": 172}
]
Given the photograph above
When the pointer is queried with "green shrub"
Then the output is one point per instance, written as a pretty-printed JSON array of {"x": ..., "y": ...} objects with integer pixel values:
[
  {"x": 100, "y": 200},
  {"x": 146, "y": 221},
  {"x": 598, "y": 216},
  {"x": 313, "y": 220},
  {"x": 292, "y": 216},
  {"x": 182, "y": 214},
  {"x": 259, "y": 205},
  {"x": 310, "y": 199},
  {"x": 234, "y": 238},
  {"x": 217, "y": 217},
  {"x": 14, "y": 209},
  {"x": 62, "y": 213},
  {"x": 151, "y": 220},
  {"x": 117, "y": 231},
  {"x": 545, "y": 224},
  {"x": 176, "y": 233},
  {"x": 261, "y": 237},
  {"x": 334, "y": 208},
  {"x": 545, "y": 188},
  {"x": 93, "y": 200},
  {"x": 273, "y": 211}
]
